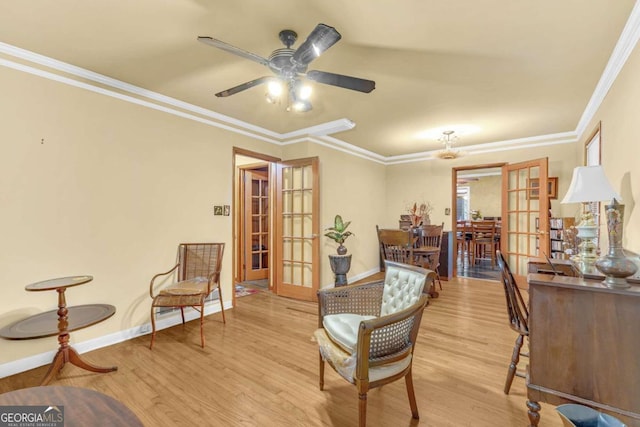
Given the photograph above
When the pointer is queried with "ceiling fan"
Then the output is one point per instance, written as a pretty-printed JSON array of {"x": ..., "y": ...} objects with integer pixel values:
[{"x": 289, "y": 65}]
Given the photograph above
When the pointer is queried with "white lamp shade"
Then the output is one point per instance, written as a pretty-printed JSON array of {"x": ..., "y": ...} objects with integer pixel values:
[{"x": 589, "y": 184}]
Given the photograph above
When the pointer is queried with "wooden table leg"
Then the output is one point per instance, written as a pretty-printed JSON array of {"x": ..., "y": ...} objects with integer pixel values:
[
  {"x": 432, "y": 290},
  {"x": 66, "y": 354},
  {"x": 533, "y": 412}
]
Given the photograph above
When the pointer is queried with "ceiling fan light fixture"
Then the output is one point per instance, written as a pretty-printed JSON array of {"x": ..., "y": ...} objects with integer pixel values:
[
  {"x": 304, "y": 92},
  {"x": 275, "y": 88},
  {"x": 300, "y": 106}
]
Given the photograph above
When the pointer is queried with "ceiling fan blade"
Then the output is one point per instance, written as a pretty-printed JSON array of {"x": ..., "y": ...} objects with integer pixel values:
[
  {"x": 321, "y": 38},
  {"x": 244, "y": 86},
  {"x": 340, "y": 80},
  {"x": 232, "y": 49}
]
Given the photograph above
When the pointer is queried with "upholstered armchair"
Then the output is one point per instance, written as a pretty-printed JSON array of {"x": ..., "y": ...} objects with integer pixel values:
[{"x": 367, "y": 332}]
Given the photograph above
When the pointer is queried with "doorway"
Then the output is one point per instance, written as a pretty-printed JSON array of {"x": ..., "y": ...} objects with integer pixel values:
[
  {"x": 524, "y": 223},
  {"x": 276, "y": 224},
  {"x": 477, "y": 198},
  {"x": 252, "y": 221},
  {"x": 256, "y": 241}
]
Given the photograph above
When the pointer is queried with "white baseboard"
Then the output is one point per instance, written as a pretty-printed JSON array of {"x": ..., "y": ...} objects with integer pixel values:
[{"x": 163, "y": 321}]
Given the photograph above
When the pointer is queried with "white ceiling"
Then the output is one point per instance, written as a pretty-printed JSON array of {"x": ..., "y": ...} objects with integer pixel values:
[{"x": 509, "y": 69}]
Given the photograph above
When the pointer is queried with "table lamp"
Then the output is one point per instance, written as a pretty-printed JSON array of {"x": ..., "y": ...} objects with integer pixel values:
[{"x": 588, "y": 184}]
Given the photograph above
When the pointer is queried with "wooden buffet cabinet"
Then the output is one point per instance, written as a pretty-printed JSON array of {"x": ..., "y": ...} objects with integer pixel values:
[{"x": 584, "y": 346}]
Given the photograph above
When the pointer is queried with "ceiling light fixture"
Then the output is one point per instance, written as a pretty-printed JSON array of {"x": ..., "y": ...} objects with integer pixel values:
[
  {"x": 298, "y": 95},
  {"x": 448, "y": 139}
]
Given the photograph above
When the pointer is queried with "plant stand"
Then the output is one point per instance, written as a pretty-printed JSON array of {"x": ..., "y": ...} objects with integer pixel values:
[{"x": 340, "y": 265}]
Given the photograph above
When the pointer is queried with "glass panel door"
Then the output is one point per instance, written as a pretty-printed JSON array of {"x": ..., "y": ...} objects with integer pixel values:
[
  {"x": 525, "y": 214},
  {"x": 297, "y": 251}
]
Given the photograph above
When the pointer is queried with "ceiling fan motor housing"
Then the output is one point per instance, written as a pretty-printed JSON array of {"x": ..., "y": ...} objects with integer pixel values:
[{"x": 280, "y": 63}]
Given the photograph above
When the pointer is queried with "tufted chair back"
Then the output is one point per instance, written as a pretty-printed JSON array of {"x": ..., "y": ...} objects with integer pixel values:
[{"x": 403, "y": 287}]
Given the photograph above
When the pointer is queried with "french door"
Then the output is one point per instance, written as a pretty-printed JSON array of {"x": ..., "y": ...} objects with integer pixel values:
[
  {"x": 297, "y": 244},
  {"x": 256, "y": 229},
  {"x": 525, "y": 214}
]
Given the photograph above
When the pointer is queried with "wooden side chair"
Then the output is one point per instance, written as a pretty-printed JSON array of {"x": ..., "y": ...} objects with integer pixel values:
[
  {"x": 483, "y": 241},
  {"x": 431, "y": 236},
  {"x": 397, "y": 245},
  {"x": 367, "y": 332},
  {"x": 198, "y": 274},
  {"x": 518, "y": 319},
  {"x": 463, "y": 241}
]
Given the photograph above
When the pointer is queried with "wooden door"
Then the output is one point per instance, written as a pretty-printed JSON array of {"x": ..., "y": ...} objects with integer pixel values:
[
  {"x": 525, "y": 214},
  {"x": 297, "y": 228},
  {"x": 256, "y": 225}
]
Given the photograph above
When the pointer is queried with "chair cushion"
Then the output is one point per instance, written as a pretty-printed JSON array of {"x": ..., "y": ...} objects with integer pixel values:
[
  {"x": 195, "y": 286},
  {"x": 343, "y": 329},
  {"x": 345, "y": 363},
  {"x": 402, "y": 289}
]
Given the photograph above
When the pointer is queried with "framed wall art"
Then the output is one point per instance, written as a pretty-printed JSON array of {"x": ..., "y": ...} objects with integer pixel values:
[{"x": 534, "y": 188}]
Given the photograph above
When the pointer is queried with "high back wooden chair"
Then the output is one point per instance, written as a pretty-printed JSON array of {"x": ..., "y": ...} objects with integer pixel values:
[
  {"x": 518, "y": 319},
  {"x": 367, "y": 332},
  {"x": 197, "y": 275},
  {"x": 483, "y": 241},
  {"x": 431, "y": 237},
  {"x": 463, "y": 240},
  {"x": 397, "y": 245}
]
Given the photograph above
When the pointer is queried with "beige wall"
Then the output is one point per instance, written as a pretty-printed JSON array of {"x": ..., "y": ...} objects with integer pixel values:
[
  {"x": 110, "y": 192},
  {"x": 620, "y": 144},
  {"x": 486, "y": 195}
]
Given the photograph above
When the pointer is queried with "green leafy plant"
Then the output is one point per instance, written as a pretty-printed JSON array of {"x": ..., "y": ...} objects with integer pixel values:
[{"x": 338, "y": 233}]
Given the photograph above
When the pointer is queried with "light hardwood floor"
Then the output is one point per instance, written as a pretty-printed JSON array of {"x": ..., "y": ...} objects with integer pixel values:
[{"x": 261, "y": 369}]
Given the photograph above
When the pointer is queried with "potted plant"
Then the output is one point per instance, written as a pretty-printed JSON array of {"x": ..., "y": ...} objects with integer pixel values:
[
  {"x": 339, "y": 234},
  {"x": 341, "y": 263}
]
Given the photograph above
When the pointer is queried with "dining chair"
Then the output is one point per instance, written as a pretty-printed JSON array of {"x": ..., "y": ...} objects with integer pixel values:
[
  {"x": 483, "y": 241},
  {"x": 367, "y": 332},
  {"x": 518, "y": 319},
  {"x": 397, "y": 245},
  {"x": 197, "y": 276},
  {"x": 463, "y": 241},
  {"x": 431, "y": 237}
]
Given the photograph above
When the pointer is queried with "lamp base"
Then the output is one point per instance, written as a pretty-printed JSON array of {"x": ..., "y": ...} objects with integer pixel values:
[{"x": 587, "y": 250}]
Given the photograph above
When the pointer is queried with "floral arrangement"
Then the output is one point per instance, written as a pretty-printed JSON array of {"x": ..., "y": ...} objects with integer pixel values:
[
  {"x": 476, "y": 214},
  {"x": 419, "y": 213}
]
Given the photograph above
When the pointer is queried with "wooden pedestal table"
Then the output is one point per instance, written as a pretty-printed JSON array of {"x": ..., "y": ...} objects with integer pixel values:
[
  {"x": 78, "y": 407},
  {"x": 68, "y": 320}
]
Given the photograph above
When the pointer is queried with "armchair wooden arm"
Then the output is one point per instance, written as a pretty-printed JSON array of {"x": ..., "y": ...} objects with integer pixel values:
[
  {"x": 388, "y": 339},
  {"x": 160, "y": 275}
]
